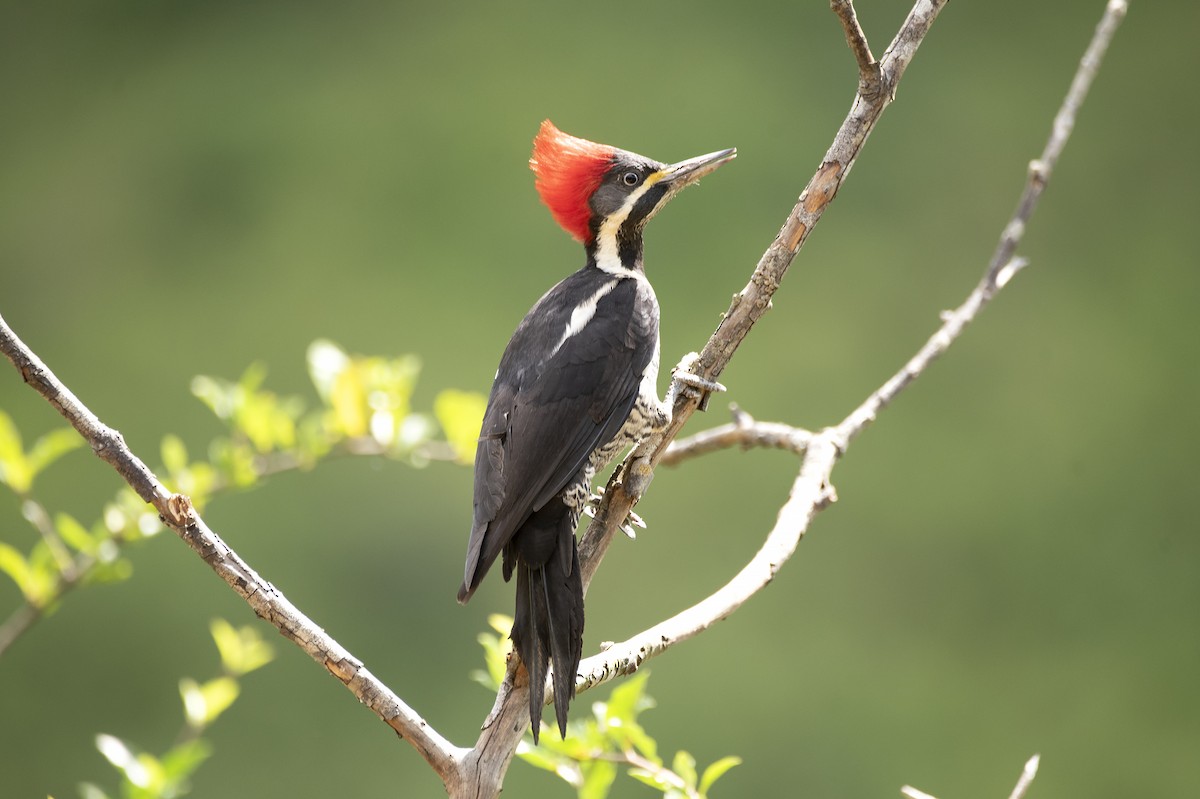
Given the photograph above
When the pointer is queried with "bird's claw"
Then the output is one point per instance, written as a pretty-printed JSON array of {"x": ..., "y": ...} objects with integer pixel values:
[
  {"x": 631, "y": 521},
  {"x": 691, "y": 384}
]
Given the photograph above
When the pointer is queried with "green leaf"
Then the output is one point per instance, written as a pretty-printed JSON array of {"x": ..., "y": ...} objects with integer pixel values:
[
  {"x": 684, "y": 765},
  {"x": 36, "y": 576},
  {"x": 253, "y": 378},
  {"x": 717, "y": 770},
  {"x": 15, "y": 470},
  {"x": 182, "y": 761},
  {"x": 242, "y": 649},
  {"x": 109, "y": 571},
  {"x": 75, "y": 534},
  {"x": 264, "y": 419},
  {"x": 598, "y": 777},
  {"x": 124, "y": 759},
  {"x": 216, "y": 394},
  {"x": 349, "y": 402},
  {"x": 313, "y": 437},
  {"x": 203, "y": 703},
  {"x": 650, "y": 778},
  {"x": 629, "y": 699},
  {"x": 235, "y": 461},
  {"x": 174, "y": 454},
  {"x": 460, "y": 413},
  {"x": 13, "y": 563},
  {"x": 500, "y": 623},
  {"x": 543, "y": 758},
  {"x": 326, "y": 361},
  {"x": 89, "y": 790},
  {"x": 495, "y": 652},
  {"x": 52, "y": 446}
]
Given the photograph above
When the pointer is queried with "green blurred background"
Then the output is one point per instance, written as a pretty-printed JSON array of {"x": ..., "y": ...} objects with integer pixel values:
[{"x": 186, "y": 188}]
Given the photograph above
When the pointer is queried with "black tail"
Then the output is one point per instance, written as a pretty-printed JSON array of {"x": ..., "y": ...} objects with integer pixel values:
[{"x": 548, "y": 624}]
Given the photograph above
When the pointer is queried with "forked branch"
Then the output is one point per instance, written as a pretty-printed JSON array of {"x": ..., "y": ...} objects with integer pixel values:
[
  {"x": 754, "y": 300},
  {"x": 812, "y": 490}
]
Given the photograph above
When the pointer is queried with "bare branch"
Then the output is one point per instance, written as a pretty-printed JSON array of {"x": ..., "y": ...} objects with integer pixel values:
[
  {"x": 868, "y": 67},
  {"x": 1018, "y": 792},
  {"x": 909, "y": 792},
  {"x": 812, "y": 490},
  {"x": 752, "y": 302},
  {"x": 1030, "y": 770},
  {"x": 1064, "y": 122},
  {"x": 479, "y": 771},
  {"x": 177, "y": 513},
  {"x": 1004, "y": 263},
  {"x": 745, "y": 432},
  {"x": 18, "y": 622}
]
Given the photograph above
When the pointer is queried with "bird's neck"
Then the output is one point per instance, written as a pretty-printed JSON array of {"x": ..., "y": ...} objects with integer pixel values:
[{"x": 617, "y": 250}]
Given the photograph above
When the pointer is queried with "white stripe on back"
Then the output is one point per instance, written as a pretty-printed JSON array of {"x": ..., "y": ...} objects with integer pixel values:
[{"x": 583, "y": 314}]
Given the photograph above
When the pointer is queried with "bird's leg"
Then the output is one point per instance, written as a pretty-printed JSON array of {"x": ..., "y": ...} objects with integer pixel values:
[
  {"x": 631, "y": 521},
  {"x": 685, "y": 381},
  {"x": 637, "y": 476}
]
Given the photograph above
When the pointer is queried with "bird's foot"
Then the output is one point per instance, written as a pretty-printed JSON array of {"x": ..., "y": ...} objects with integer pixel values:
[
  {"x": 631, "y": 521},
  {"x": 684, "y": 380},
  {"x": 636, "y": 477}
]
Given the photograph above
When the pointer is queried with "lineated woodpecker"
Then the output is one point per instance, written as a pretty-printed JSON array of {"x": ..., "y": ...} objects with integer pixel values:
[{"x": 576, "y": 385}]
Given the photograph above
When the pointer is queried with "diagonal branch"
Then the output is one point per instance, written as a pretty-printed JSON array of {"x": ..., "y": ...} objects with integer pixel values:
[
  {"x": 1004, "y": 263},
  {"x": 505, "y": 725},
  {"x": 266, "y": 600},
  {"x": 868, "y": 67},
  {"x": 754, "y": 300},
  {"x": 812, "y": 491},
  {"x": 1018, "y": 792}
]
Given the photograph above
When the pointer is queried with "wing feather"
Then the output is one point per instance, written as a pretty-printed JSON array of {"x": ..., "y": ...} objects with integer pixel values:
[{"x": 556, "y": 399}]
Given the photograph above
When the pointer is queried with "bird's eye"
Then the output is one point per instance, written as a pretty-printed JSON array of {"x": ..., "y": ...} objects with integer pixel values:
[{"x": 631, "y": 178}]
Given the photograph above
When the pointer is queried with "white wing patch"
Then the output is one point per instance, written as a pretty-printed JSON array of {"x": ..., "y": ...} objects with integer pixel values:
[{"x": 583, "y": 314}]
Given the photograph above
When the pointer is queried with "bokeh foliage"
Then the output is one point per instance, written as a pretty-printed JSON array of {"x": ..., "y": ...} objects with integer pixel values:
[
  {"x": 364, "y": 409},
  {"x": 190, "y": 188}
]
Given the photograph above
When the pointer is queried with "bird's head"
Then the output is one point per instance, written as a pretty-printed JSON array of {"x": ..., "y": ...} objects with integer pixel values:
[{"x": 593, "y": 189}]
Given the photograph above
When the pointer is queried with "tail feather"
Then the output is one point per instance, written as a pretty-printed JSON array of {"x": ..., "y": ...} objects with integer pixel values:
[{"x": 548, "y": 628}]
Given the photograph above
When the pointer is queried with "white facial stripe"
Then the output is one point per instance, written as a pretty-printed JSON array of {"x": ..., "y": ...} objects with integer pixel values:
[
  {"x": 583, "y": 314},
  {"x": 607, "y": 257}
]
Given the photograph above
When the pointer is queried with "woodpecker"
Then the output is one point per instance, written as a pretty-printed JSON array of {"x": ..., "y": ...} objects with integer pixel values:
[{"x": 576, "y": 385}]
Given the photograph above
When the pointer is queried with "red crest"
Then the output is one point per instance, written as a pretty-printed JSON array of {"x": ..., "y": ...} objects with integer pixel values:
[{"x": 568, "y": 170}]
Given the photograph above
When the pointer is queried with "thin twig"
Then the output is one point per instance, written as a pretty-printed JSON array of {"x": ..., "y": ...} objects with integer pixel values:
[
  {"x": 177, "y": 513},
  {"x": 745, "y": 432},
  {"x": 1026, "y": 778},
  {"x": 1004, "y": 263},
  {"x": 909, "y": 792},
  {"x": 37, "y": 516},
  {"x": 1018, "y": 792},
  {"x": 1064, "y": 122},
  {"x": 18, "y": 623},
  {"x": 811, "y": 492},
  {"x": 868, "y": 67}
]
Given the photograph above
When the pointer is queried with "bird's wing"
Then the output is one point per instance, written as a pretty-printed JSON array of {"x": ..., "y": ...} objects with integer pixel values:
[{"x": 544, "y": 421}]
